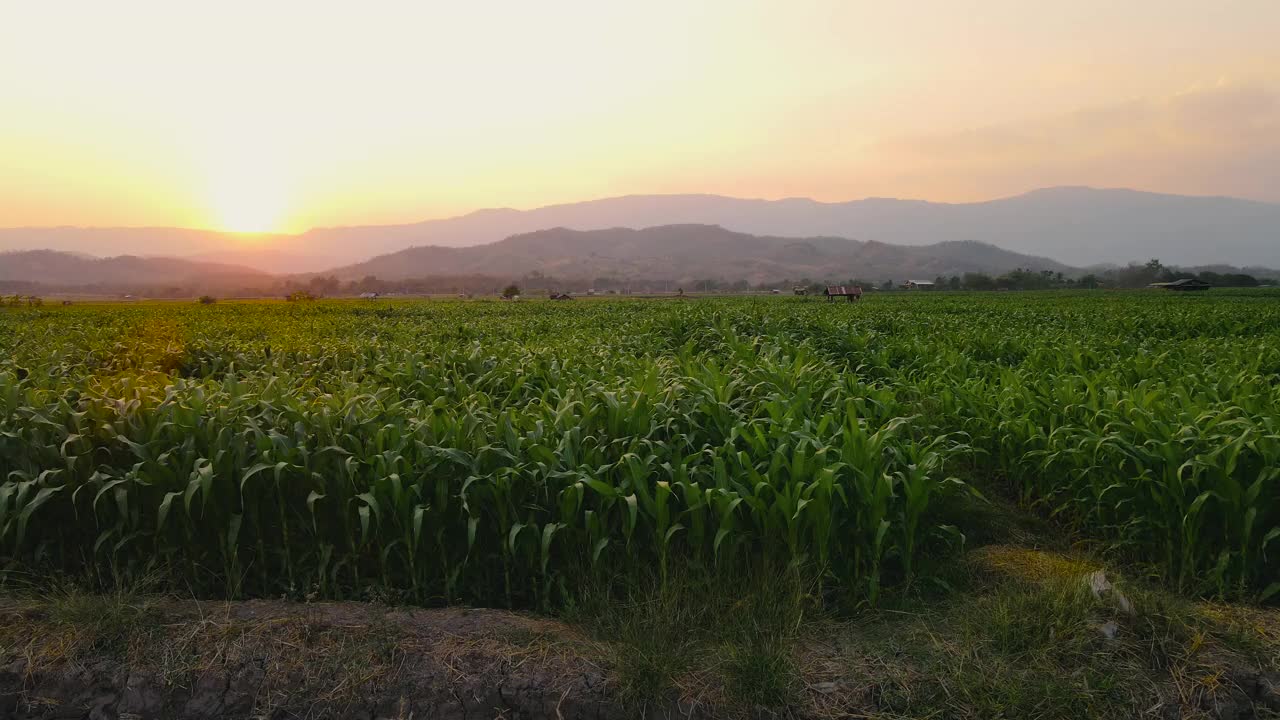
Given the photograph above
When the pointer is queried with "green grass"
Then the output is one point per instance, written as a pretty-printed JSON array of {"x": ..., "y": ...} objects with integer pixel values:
[
  {"x": 723, "y": 642},
  {"x": 1021, "y": 638}
]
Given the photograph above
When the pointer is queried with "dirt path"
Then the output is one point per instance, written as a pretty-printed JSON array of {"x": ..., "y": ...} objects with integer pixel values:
[{"x": 284, "y": 660}]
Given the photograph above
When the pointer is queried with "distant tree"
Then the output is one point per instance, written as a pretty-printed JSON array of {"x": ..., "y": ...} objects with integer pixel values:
[
  {"x": 1155, "y": 271},
  {"x": 886, "y": 285},
  {"x": 1136, "y": 276},
  {"x": 939, "y": 282},
  {"x": 321, "y": 285},
  {"x": 207, "y": 300},
  {"x": 954, "y": 283},
  {"x": 510, "y": 291},
  {"x": 1228, "y": 279},
  {"x": 1089, "y": 282},
  {"x": 978, "y": 281}
]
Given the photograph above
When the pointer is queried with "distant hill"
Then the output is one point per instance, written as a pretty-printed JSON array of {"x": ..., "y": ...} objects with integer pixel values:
[
  {"x": 1078, "y": 226},
  {"x": 56, "y": 270},
  {"x": 259, "y": 252},
  {"x": 686, "y": 253},
  {"x": 665, "y": 256}
]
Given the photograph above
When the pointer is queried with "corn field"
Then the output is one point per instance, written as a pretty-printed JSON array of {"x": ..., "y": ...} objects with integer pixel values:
[{"x": 496, "y": 453}]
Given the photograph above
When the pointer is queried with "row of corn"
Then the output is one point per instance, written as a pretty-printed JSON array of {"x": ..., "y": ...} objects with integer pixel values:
[{"x": 496, "y": 453}]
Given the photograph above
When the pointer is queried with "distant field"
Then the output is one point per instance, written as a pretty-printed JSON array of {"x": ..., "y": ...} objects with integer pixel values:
[{"x": 497, "y": 453}]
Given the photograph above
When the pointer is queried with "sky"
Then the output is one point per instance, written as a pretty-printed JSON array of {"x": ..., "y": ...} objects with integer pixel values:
[{"x": 280, "y": 116}]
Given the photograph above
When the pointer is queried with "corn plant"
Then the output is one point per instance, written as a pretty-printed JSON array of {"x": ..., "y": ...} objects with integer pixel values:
[{"x": 496, "y": 453}]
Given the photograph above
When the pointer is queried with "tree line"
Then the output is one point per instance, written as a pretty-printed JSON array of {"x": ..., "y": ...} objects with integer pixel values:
[
  {"x": 1131, "y": 276},
  {"x": 537, "y": 283}
]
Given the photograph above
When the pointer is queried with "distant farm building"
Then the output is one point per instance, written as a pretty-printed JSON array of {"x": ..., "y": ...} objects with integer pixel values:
[
  {"x": 920, "y": 285},
  {"x": 369, "y": 296},
  {"x": 1184, "y": 285},
  {"x": 800, "y": 290},
  {"x": 851, "y": 292}
]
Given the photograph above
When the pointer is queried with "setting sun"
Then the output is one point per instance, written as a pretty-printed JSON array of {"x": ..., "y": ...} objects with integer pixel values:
[
  {"x": 246, "y": 197},
  {"x": 247, "y": 212}
]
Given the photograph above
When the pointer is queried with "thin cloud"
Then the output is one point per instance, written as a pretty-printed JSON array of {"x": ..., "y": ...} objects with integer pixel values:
[{"x": 1219, "y": 139}]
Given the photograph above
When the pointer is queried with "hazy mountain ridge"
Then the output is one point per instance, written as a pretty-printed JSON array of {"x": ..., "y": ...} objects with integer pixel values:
[
  {"x": 66, "y": 270},
  {"x": 145, "y": 242},
  {"x": 664, "y": 254},
  {"x": 686, "y": 253},
  {"x": 1074, "y": 225},
  {"x": 654, "y": 258}
]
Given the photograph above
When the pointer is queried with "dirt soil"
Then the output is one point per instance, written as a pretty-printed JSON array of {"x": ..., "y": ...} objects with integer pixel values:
[
  {"x": 143, "y": 657},
  {"x": 261, "y": 659}
]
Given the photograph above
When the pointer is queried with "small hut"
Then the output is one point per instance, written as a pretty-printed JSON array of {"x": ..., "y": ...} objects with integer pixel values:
[{"x": 849, "y": 292}]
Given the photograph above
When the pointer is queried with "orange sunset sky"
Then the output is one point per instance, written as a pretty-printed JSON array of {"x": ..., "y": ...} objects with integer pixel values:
[{"x": 281, "y": 116}]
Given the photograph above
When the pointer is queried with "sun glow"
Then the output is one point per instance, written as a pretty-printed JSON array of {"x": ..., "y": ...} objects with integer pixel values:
[
  {"x": 248, "y": 213},
  {"x": 247, "y": 184},
  {"x": 246, "y": 200}
]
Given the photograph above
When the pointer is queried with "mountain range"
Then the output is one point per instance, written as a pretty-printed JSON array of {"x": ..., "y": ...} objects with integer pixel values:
[
  {"x": 688, "y": 253},
  {"x": 1073, "y": 225},
  {"x": 665, "y": 255}
]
